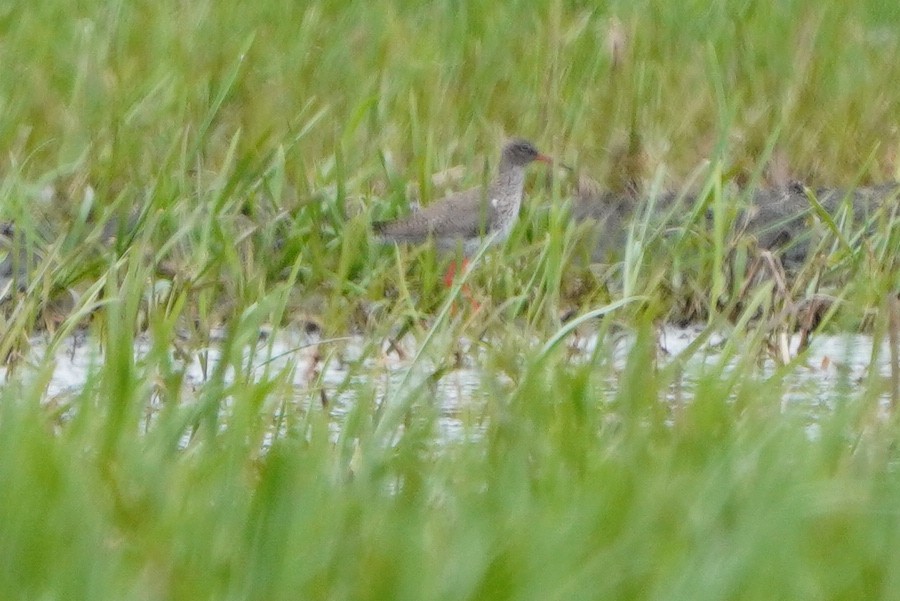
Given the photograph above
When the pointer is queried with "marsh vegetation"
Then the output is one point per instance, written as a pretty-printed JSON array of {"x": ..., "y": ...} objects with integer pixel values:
[{"x": 261, "y": 401}]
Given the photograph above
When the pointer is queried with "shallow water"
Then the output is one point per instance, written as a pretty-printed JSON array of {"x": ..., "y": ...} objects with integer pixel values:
[{"x": 332, "y": 373}]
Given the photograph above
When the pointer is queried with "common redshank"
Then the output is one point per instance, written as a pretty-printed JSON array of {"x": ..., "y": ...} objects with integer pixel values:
[{"x": 462, "y": 221}]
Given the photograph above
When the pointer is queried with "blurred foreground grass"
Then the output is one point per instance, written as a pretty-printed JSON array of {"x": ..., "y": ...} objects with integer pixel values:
[{"x": 254, "y": 141}]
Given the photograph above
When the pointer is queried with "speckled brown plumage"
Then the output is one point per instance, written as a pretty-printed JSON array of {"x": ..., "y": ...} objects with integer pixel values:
[{"x": 464, "y": 219}]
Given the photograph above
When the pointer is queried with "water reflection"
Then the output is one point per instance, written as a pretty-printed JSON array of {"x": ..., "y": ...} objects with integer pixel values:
[{"x": 334, "y": 375}]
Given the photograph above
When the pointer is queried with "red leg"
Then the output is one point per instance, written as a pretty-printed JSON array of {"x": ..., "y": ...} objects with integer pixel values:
[{"x": 450, "y": 275}]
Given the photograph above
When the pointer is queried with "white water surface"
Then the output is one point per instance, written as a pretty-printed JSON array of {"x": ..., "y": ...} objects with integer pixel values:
[{"x": 330, "y": 374}]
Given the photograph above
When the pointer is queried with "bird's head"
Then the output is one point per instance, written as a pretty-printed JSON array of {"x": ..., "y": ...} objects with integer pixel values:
[{"x": 521, "y": 152}]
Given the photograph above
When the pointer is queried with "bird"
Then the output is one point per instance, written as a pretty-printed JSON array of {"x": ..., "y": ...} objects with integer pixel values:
[{"x": 463, "y": 221}]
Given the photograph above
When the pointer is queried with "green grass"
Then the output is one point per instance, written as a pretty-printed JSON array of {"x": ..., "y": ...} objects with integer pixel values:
[{"x": 252, "y": 144}]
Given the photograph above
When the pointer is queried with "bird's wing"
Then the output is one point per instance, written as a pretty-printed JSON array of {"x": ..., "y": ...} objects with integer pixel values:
[{"x": 463, "y": 215}]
